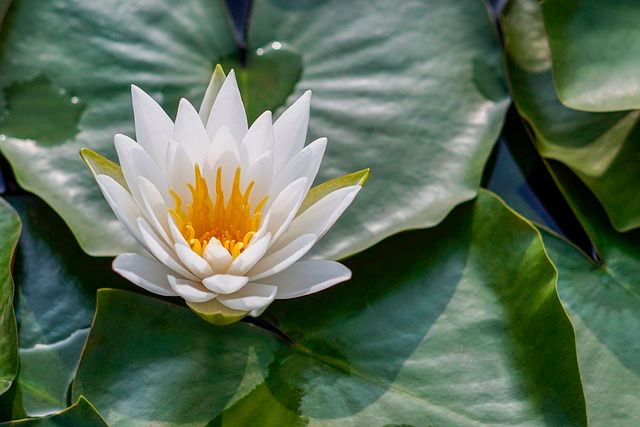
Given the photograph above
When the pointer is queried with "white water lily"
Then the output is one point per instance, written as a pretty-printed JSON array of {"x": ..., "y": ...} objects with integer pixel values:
[{"x": 224, "y": 211}]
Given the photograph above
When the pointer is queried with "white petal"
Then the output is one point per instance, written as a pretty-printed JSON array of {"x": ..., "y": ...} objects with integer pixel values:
[
  {"x": 135, "y": 162},
  {"x": 228, "y": 110},
  {"x": 175, "y": 233},
  {"x": 253, "y": 296},
  {"x": 259, "y": 172},
  {"x": 122, "y": 204},
  {"x": 225, "y": 283},
  {"x": 283, "y": 258},
  {"x": 247, "y": 259},
  {"x": 217, "y": 256},
  {"x": 285, "y": 206},
  {"x": 259, "y": 139},
  {"x": 190, "y": 133},
  {"x": 223, "y": 152},
  {"x": 161, "y": 251},
  {"x": 320, "y": 216},
  {"x": 304, "y": 164},
  {"x": 291, "y": 131},
  {"x": 148, "y": 274},
  {"x": 180, "y": 171},
  {"x": 308, "y": 277},
  {"x": 154, "y": 207},
  {"x": 194, "y": 262},
  {"x": 190, "y": 290},
  {"x": 153, "y": 127}
]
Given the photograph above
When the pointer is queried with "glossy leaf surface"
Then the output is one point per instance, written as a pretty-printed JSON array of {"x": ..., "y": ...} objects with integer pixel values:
[
  {"x": 56, "y": 287},
  {"x": 371, "y": 66},
  {"x": 10, "y": 231},
  {"x": 411, "y": 90},
  {"x": 94, "y": 51},
  {"x": 603, "y": 301},
  {"x": 82, "y": 414},
  {"x": 468, "y": 330},
  {"x": 595, "y": 46},
  {"x": 603, "y": 149}
]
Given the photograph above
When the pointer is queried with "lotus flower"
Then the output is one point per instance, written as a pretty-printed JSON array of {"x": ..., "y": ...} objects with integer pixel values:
[{"x": 224, "y": 211}]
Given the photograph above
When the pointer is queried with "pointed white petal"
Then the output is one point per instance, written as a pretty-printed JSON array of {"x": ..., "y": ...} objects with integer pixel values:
[
  {"x": 291, "y": 131},
  {"x": 260, "y": 138},
  {"x": 161, "y": 251},
  {"x": 217, "y": 256},
  {"x": 250, "y": 256},
  {"x": 122, "y": 204},
  {"x": 190, "y": 290},
  {"x": 135, "y": 162},
  {"x": 320, "y": 216},
  {"x": 304, "y": 164},
  {"x": 177, "y": 237},
  {"x": 180, "y": 172},
  {"x": 190, "y": 133},
  {"x": 194, "y": 262},
  {"x": 148, "y": 274},
  {"x": 283, "y": 258},
  {"x": 225, "y": 283},
  {"x": 228, "y": 110},
  {"x": 153, "y": 127},
  {"x": 154, "y": 208},
  {"x": 284, "y": 207},
  {"x": 259, "y": 172},
  {"x": 308, "y": 277},
  {"x": 223, "y": 152},
  {"x": 253, "y": 296}
]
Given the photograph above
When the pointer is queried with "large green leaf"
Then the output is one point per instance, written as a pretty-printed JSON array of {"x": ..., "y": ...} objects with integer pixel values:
[
  {"x": 56, "y": 287},
  {"x": 603, "y": 149},
  {"x": 412, "y": 90},
  {"x": 468, "y": 330},
  {"x": 595, "y": 46},
  {"x": 10, "y": 231},
  {"x": 82, "y": 414},
  {"x": 66, "y": 69},
  {"x": 603, "y": 301},
  {"x": 409, "y": 89}
]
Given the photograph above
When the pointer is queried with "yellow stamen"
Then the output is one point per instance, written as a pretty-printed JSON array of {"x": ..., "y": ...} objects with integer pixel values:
[{"x": 233, "y": 224}]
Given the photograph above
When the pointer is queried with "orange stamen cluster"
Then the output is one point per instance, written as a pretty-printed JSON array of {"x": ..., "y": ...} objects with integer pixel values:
[{"x": 233, "y": 224}]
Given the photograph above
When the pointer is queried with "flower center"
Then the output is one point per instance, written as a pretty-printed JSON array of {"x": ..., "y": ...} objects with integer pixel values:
[{"x": 233, "y": 224}]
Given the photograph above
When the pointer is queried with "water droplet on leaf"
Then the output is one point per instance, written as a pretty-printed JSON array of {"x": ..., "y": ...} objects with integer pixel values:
[{"x": 269, "y": 77}]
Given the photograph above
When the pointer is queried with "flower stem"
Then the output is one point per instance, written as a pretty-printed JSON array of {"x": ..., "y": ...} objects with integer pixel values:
[{"x": 261, "y": 323}]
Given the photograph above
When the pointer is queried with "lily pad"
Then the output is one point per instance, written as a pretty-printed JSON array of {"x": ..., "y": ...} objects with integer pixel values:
[
  {"x": 10, "y": 231},
  {"x": 56, "y": 287},
  {"x": 603, "y": 302},
  {"x": 595, "y": 46},
  {"x": 412, "y": 90},
  {"x": 81, "y": 414},
  {"x": 466, "y": 331},
  {"x": 603, "y": 149},
  {"x": 93, "y": 52}
]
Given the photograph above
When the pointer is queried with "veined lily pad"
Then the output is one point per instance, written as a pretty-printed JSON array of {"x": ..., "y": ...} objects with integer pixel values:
[{"x": 466, "y": 331}]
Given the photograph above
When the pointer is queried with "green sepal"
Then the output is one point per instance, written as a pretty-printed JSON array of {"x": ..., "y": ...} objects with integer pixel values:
[
  {"x": 100, "y": 165},
  {"x": 210, "y": 95},
  {"x": 214, "y": 312},
  {"x": 321, "y": 190}
]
